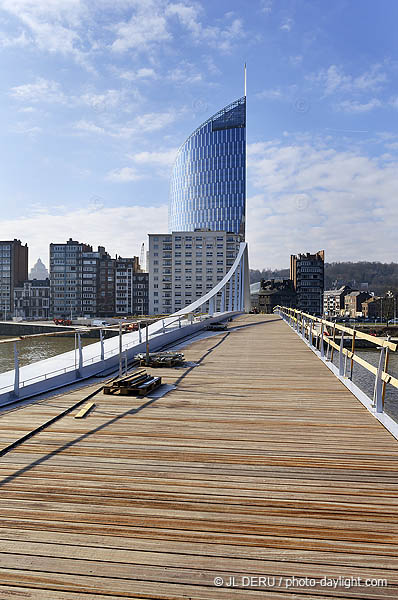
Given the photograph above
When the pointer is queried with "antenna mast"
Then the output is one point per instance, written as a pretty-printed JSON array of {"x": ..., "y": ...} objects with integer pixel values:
[{"x": 245, "y": 81}]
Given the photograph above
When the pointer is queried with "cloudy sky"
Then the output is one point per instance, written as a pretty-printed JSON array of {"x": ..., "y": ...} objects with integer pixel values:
[{"x": 96, "y": 96}]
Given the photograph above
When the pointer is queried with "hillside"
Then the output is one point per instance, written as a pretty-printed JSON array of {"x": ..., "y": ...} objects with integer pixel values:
[{"x": 380, "y": 276}]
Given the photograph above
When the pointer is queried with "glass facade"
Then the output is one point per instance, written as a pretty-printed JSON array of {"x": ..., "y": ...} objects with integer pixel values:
[{"x": 208, "y": 186}]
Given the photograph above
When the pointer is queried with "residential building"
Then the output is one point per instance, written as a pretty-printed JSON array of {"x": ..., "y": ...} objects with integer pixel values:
[
  {"x": 131, "y": 287},
  {"x": 333, "y": 301},
  {"x": 381, "y": 308},
  {"x": 32, "y": 300},
  {"x": 307, "y": 274},
  {"x": 66, "y": 279},
  {"x": 208, "y": 186},
  {"x": 353, "y": 303},
  {"x": 98, "y": 283},
  {"x": 185, "y": 265},
  {"x": 13, "y": 271},
  {"x": 266, "y": 295},
  {"x": 38, "y": 271},
  {"x": 90, "y": 283}
]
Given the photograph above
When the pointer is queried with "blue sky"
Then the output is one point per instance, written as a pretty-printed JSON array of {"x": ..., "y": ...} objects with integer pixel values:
[{"x": 96, "y": 97}]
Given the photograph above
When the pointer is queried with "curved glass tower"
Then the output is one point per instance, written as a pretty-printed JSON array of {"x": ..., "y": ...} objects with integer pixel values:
[{"x": 208, "y": 185}]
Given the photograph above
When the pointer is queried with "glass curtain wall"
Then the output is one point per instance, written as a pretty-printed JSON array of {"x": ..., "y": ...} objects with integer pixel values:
[{"x": 208, "y": 186}]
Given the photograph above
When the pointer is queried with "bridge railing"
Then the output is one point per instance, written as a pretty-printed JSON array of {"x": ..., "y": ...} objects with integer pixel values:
[
  {"x": 334, "y": 342},
  {"x": 228, "y": 297}
]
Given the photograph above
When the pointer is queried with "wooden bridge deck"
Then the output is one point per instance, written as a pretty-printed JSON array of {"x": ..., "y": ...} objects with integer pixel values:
[{"x": 259, "y": 464}]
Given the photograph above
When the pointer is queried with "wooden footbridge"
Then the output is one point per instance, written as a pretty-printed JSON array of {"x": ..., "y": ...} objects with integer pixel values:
[{"x": 259, "y": 476}]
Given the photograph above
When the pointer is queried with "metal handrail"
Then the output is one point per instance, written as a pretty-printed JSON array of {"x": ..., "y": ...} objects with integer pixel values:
[{"x": 316, "y": 328}]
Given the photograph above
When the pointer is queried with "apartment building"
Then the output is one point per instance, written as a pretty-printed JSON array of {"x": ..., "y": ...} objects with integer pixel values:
[
  {"x": 353, "y": 303},
  {"x": 333, "y": 301},
  {"x": 13, "y": 272},
  {"x": 98, "y": 283},
  {"x": 32, "y": 300},
  {"x": 185, "y": 265},
  {"x": 131, "y": 287},
  {"x": 66, "y": 278},
  {"x": 90, "y": 283},
  {"x": 307, "y": 274}
]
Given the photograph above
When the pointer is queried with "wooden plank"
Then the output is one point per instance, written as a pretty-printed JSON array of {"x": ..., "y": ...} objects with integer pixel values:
[
  {"x": 86, "y": 408},
  {"x": 248, "y": 466}
]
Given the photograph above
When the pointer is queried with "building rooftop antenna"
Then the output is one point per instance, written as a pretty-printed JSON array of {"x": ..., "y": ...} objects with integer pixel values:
[{"x": 245, "y": 81}]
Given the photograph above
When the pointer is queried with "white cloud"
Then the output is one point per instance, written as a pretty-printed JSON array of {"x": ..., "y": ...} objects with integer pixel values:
[
  {"x": 145, "y": 29},
  {"x": 42, "y": 90},
  {"x": 287, "y": 25},
  {"x": 143, "y": 73},
  {"x": 266, "y": 6},
  {"x": 123, "y": 175},
  {"x": 353, "y": 106},
  {"x": 394, "y": 102},
  {"x": 14, "y": 42},
  {"x": 105, "y": 101},
  {"x": 26, "y": 129},
  {"x": 51, "y": 25},
  {"x": 350, "y": 207},
  {"x": 154, "y": 121},
  {"x": 163, "y": 158},
  {"x": 88, "y": 127},
  {"x": 139, "y": 125},
  {"x": 153, "y": 23},
  {"x": 120, "y": 229},
  {"x": 335, "y": 80},
  {"x": 271, "y": 94},
  {"x": 185, "y": 74}
]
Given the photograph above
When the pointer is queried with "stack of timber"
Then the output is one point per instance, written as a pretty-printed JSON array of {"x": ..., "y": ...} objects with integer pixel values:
[
  {"x": 217, "y": 327},
  {"x": 139, "y": 383},
  {"x": 161, "y": 359}
]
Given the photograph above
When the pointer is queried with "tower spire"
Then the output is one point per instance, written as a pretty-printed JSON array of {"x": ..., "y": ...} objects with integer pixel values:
[{"x": 245, "y": 81}]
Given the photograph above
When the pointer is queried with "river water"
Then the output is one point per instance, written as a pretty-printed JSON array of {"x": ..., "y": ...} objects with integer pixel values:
[
  {"x": 31, "y": 351},
  {"x": 366, "y": 380}
]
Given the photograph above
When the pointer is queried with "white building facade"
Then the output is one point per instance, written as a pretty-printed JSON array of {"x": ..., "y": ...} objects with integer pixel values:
[{"x": 185, "y": 265}]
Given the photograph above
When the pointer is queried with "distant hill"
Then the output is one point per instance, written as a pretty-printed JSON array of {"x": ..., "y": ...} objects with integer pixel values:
[{"x": 379, "y": 276}]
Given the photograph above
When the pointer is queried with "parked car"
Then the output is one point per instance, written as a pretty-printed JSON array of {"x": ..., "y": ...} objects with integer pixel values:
[
  {"x": 393, "y": 322},
  {"x": 98, "y": 323}
]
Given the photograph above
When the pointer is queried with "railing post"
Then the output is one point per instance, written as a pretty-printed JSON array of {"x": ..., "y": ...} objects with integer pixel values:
[
  {"x": 120, "y": 350},
  {"x": 297, "y": 322},
  {"x": 163, "y": 329},
  {"x": 139, "y": 332},
  {"x": 102, "y": 344},
  {"x": 236, "y": 290},
  {"x": 242, "y": 288},
  {"x": 310, "y": 334},
  {"x": 222, "y": 301},
  {"x": 378, "y": 389},
  {"x": 179, "y": 322},
  {"x": 321, "y": 344},
  {"x": 16, "y": 368},
  {"x": 79, "y": 343},
  {"x": 146, "y": 345},
  {"x": 341, "y": 355},
  {"x": 303, "y": 328},
  {"x": 230, "y": 304},
  {"x": 211, "y": 306}
]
